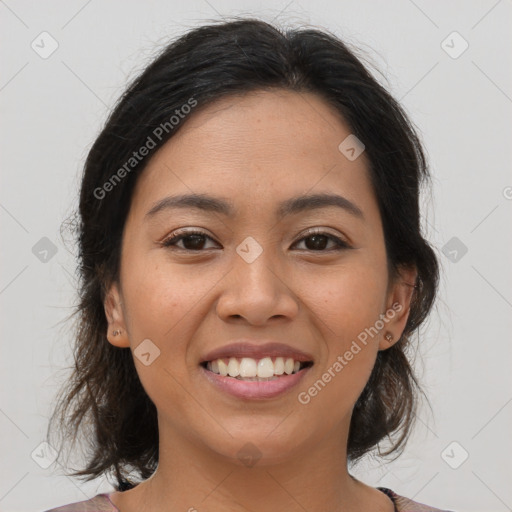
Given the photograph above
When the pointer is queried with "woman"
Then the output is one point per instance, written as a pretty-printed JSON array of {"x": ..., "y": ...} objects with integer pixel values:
[{"x": 252, "y": 270}]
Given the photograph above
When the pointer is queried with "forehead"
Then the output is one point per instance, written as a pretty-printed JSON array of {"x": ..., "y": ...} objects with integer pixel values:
[
  {"x": 276, "y": 120},
  {"x": 256, "y": 148}
]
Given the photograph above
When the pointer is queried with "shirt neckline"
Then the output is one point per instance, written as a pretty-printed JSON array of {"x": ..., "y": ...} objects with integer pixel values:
[
  {"x": 391, "y": 495},
  {"x": 107, "y": 495},
  {"x": 388, "y": 492}
]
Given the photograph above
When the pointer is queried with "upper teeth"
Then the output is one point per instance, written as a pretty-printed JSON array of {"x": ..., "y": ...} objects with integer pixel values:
[{"x": 249, "y": 367}]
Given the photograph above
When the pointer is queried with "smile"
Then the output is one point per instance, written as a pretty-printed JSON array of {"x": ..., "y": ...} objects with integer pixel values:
[
  {"x": 250, "y": 369},
  {"x": 255, "y": 378}
]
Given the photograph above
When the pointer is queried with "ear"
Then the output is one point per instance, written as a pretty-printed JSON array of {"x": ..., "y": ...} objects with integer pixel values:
[
  {"x": 117, "y": 334},
  {"x": 398, "y": 306}
]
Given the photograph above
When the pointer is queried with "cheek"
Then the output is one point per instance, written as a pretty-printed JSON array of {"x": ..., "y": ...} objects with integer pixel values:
[
  {"x": 346, "y": 319},
  {"x": 336, "y": 388},
  {"x": 166, "y": 305},
  {"x": 347, "y": 306},
  {"x": 159, "y": 295},
  {"x": 163, "y": 304},
  {"x": 348, "y": 299}
]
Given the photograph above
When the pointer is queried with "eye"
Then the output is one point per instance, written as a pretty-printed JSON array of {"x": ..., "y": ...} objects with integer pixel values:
[
  {"x": 319, "y": 240},
  {"x": 193, "y": 238}
]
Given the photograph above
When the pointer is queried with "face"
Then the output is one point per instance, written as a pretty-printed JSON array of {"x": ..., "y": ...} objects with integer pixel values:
[{"x": 312, "y": 276}]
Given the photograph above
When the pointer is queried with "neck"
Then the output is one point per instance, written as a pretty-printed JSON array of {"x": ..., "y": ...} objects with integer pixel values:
[{"x": 191, "y": 477}]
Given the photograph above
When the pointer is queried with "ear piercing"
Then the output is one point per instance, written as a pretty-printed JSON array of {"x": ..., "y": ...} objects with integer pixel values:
[
  {"x": 116, "y": 332},
  {"x": 389, "y": 337}
]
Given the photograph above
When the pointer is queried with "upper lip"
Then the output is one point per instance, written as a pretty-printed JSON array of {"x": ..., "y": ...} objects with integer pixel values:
[{"x": 262, "y": 349}]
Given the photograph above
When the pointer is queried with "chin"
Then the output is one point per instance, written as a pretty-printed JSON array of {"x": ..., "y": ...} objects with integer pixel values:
[{"x": 258, "y": 449}]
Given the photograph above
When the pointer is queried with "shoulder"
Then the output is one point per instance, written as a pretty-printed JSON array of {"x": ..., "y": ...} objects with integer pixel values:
[
  {"x": 404, "y": 504},
  {"x": 100, "y": 503}
]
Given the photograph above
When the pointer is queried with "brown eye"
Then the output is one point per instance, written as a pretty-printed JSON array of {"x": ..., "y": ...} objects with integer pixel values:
[
  {"x": 192, "y": 240},
  {"x": 195, "y": 241},
  {"x": 318, "y": 241}
]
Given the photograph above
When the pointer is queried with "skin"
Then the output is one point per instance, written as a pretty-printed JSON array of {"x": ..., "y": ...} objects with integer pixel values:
[{"x": 256, "y": 151}]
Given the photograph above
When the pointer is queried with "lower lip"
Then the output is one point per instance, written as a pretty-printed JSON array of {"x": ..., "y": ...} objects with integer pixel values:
[{"x": 253, "y": 389}]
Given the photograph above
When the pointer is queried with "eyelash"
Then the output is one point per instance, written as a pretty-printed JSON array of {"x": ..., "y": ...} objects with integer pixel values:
[{"x": 170, "y": 242}]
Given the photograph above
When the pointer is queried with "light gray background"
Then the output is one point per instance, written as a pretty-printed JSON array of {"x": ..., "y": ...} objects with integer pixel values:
[{"x": 53, "y": 108}]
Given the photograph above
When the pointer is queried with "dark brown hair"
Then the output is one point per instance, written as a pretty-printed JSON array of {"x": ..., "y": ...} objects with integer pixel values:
[{"x": 104, "y": 396}]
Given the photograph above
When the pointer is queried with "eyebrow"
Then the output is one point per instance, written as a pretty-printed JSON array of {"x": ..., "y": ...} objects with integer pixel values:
[{"x": 289, "y": 207}]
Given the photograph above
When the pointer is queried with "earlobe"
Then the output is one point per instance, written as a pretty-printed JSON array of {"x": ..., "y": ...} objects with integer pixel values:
[
  {"x": 399, "y": 306},
  {"x": 116, "y": 328}
]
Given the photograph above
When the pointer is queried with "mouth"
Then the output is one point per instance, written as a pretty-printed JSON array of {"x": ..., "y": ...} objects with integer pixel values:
[
  {"x": 249, "y": 369},
  {"x": 255, "y": 371}
]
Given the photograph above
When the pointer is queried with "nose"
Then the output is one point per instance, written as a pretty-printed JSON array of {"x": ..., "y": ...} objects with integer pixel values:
[{"x": 257, "y": 292}]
